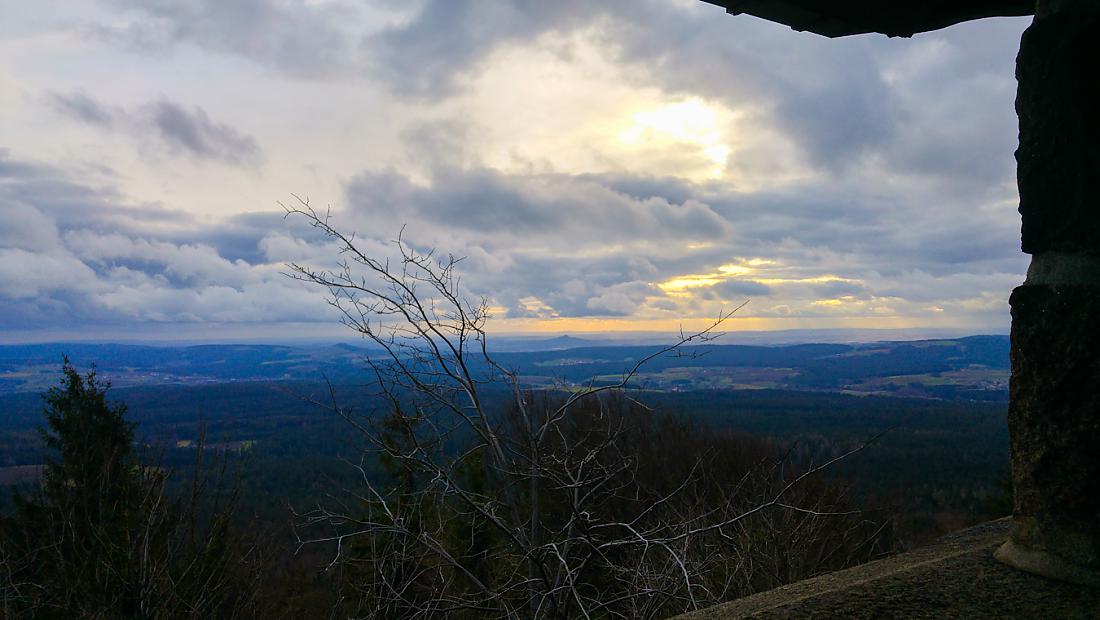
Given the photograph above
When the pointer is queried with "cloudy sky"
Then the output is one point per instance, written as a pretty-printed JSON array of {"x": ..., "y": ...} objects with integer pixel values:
[{"x": 613, "y": 165}]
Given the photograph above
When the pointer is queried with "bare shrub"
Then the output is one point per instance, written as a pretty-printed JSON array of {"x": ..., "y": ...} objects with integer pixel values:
[{"x": 499, "y": 501}]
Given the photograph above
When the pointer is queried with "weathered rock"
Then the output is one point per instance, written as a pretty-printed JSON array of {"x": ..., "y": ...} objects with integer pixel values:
[
  {"x": 1054, "y": 410},
  {"x": 956, "y": 577},
  {"x": 1054, "y": 424},
  {"x": 1058, "y": 102}
]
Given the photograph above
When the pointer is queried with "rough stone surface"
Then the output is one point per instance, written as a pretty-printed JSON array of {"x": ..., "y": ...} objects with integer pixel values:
[
  {"x": 1060, "y": 269},
  {"x": 1058, "y": 102},
  {"x": 1054, "y": 421},
  {"x": 955, "y": 578},
  {"x": 897, "y": 18}
]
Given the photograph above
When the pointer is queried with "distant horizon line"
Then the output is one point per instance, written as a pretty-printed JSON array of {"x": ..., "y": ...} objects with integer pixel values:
[{"x": 824, "y": 335}]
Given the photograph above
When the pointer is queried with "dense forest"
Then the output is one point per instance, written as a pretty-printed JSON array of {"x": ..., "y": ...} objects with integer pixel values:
[
  {"x": 915, "y": 468},
  {"x": 424, "y": 475}
]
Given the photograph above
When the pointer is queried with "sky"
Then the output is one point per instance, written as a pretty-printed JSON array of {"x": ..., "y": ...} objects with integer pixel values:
[{"x": 623, "y": 165}]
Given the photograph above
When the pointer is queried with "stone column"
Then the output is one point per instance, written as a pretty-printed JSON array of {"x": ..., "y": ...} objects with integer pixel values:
[{"x": 1054, "y": 411}]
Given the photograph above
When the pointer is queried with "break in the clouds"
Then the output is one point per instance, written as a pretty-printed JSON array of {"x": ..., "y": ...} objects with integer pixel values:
[
  {"x": 177, "y": 129},
  {"x": 600, "y": 165}
]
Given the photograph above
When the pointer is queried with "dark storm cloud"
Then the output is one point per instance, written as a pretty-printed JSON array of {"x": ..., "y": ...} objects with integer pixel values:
[
  {"x": 839, "y": 288},
  {"x": 429, "y": 56},
  {"x": 939, "y": 104},
  {"x": 936, "y": 105},
  {"x": 829, "y": 96},
  {"x": 916, "y": 226},
  {"x": 839, "y": 122},
  {"x": 83, "y": 108},
  {"x": 642, "y": 187},
  {"x": 303, "y": 39},
  {"x": 741, "y": 288},
  {"x": 575, "y": 244},
  {"x": 534, "y": 207},
  {"x": 442, "y": 142},
  {"x": 582, "y": 246},
  {"x": 177, "y": 129},
  {"x": 424, "y": 56},
  {"x": 573, "y": 286},
  {"x": 240, "y": 237},
  {"x": 914, "y": 135},
  {"x": 193, "y": 133},
  {"x": 70, "y": 250},
  {"x": 903, "y": 150},
  {"x": 28, "y": 188}
]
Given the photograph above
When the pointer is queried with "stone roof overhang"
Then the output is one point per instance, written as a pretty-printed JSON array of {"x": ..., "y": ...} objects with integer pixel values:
[{"x": 895, "y": 18}]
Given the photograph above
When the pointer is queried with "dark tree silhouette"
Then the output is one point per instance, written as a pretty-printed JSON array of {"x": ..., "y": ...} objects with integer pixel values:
[
  {"x": 94, "y": 472},
  {"x": 101, "y": 537}
]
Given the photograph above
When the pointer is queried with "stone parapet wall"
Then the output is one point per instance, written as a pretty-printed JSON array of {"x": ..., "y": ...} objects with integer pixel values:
[{"x": 955, "y": 577}]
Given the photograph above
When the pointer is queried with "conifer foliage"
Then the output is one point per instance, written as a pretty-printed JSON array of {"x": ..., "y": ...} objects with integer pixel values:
[{"x": 102, "y": 537}]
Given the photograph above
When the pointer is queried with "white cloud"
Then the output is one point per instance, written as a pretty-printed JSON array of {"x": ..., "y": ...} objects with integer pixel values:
[
  {"x": 27, "y": 275},
  {"x": 578, "y": 154}
]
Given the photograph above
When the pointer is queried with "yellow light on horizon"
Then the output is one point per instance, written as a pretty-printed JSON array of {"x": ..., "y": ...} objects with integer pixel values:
[
  {"x": 678, "y": 285},
  {"x": 812, "y": 280},
  {"x": 733, "y": 270},
  {"x": 741, "y": 268},
  {"x": 581, "y": 326},
  {"x": 537, "y": 306}
]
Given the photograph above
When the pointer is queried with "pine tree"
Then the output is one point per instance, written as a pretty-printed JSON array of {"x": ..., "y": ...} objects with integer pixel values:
[
  {"x": 101, "y": 537},
  {"x": 93, "y": 473},
  {"x": 74, "y": 534}
]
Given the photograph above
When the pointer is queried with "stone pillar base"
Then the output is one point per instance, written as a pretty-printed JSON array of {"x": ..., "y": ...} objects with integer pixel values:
[
  {"x": 1054, "y": 409},
  {"x": 1054, "y": 421},
  {"x": 1045, "y": 564}
]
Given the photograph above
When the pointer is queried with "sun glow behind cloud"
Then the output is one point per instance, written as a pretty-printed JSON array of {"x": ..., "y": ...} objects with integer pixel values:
[
  {"x": 756, "y": 270},
  {"x": 592, "y": 120},
  {"x": 820, "y": 295},
  {"x": 691, "y": 122},
  {"x": 602, "y": 167}
]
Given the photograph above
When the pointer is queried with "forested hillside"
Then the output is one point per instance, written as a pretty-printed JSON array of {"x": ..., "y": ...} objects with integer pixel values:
[{"x": 922, "y": 425}]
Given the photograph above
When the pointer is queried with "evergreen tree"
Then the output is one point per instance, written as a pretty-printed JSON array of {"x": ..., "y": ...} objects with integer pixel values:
[
  {"x": 71, "y": 540},
  {"x": 102, "y": 538},
  {"x": 93, "y": 473}
]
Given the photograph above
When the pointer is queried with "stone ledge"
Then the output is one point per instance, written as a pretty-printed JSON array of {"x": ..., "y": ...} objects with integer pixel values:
[{"x": 956, "y": 577}]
